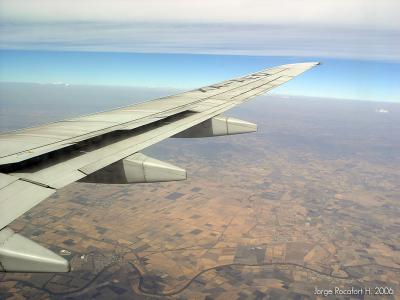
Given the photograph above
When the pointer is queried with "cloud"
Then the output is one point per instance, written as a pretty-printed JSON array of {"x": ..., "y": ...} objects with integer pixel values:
[
  {"x": 364, "y": 13},
  {"x": 60, "y": 83},
  {"x": 382, "y": 111},
  {"x": 364, "y": 29}
]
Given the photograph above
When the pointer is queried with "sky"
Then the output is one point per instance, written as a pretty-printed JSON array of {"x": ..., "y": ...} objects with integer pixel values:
[{"x": 186, "y": 44}]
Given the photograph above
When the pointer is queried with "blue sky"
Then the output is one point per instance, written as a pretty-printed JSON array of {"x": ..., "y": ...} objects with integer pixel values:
[
  {"x": 104, "y": 42},
  {"x": 337, "y": 78}
]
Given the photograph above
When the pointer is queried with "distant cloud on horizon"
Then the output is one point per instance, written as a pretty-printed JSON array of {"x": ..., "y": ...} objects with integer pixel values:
[
  {"x": 382, "y": 111},
  {"x": 358, "y": 29}
]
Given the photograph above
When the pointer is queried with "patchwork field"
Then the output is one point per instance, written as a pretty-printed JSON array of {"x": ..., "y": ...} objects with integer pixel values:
[{"x": 311, "y": 201}]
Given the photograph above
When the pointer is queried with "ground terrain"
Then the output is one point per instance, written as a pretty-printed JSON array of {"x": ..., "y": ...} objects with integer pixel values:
[{"x": 310, "y": 201}]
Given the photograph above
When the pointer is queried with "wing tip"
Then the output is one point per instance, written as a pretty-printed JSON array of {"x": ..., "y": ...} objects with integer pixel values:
[{"x": 306, "y": 65}]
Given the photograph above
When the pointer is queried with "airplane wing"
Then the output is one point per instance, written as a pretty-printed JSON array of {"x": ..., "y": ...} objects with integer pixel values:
[{"x": 105, "y": 148}]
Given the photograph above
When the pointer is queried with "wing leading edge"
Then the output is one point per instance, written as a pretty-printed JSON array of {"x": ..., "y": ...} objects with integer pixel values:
[{"x": 104, "y": 147}]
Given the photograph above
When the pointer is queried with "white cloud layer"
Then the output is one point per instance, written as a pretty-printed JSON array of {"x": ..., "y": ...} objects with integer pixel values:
[
  {"x": 366, "y": 29},
  {"x": 364, "y": 13}
]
